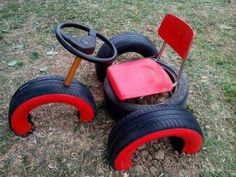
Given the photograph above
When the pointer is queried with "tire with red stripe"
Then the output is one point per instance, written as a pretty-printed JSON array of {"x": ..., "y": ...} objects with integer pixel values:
[
  {"x": 44, "y": 90},
  {"x": 147, "y": 124}
]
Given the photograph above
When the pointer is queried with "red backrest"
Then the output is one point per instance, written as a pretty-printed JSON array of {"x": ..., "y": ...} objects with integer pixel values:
[{"x": 178, "y": 34}]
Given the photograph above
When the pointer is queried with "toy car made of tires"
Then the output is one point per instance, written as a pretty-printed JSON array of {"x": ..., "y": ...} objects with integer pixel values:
[{"x": 126, "y": 85}]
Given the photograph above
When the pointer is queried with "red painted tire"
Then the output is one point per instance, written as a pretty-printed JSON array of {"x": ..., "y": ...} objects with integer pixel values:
[
  {"x": 154, "y": 122},
  {"x": 44, "y": 90}
]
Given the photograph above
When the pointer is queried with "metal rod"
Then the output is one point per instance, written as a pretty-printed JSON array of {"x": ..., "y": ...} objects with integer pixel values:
[
  {"x": 161, "y": 51},
  {"x": 180, "y": 71},
  {"x": 71, "y": 73}
]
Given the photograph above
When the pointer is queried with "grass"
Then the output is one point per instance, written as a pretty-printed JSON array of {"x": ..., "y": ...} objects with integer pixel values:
[{"x": 61, "y": 146}]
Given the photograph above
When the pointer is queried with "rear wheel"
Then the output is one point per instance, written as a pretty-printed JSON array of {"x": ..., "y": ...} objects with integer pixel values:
[
  {"x": 125, "y": 42},
  {"x": 149, "y": 124},
  {"x": 43, "y": 90},
  {"x": 121, "y": 108}
]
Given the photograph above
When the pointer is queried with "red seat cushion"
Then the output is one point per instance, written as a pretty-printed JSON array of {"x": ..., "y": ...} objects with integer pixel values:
[{"x": 138, "y": 78}]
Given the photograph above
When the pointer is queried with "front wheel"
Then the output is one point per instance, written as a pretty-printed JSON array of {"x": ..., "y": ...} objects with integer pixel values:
[{"x": 44, "y": 90}]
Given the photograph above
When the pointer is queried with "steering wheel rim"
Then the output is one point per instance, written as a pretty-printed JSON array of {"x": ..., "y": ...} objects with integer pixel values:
[{"x": 61, "y": 38}]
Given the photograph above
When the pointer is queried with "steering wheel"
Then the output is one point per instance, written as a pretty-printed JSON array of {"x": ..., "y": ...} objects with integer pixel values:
[{"x": 83, "y": 47}]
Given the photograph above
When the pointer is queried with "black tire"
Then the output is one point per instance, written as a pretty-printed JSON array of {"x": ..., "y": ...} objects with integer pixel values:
[
  {"x": 125, "y": 42},
  {"x": 121, "y": 108},
  {"x": 46, "y": 89},
  {"x": 153, "y": 119}
]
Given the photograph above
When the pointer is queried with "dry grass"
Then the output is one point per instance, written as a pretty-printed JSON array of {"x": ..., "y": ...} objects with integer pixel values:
[{"x": 61, "y": 145}]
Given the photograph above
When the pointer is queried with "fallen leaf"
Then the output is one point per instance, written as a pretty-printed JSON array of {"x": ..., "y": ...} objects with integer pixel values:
[
  {"x": 43, "y": 69},
  {"x": 52, "y": 53},
  {"x": 225, "y": 27},
  {"x": 13, "y": 63},
  {"x": 19, "y": 46},
  {"x": 50, "y": 166}
]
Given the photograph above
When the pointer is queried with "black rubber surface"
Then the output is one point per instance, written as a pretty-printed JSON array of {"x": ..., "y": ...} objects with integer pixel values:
[
  {"x": 125, "y": 42},
  {"x": 120, "y": 109},
  {"x": 148, "y": 120},
  {"x": 49, "y": 85}
]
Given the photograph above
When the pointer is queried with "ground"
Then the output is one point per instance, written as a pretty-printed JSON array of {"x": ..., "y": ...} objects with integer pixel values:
[{"x": 61, "y": 145}]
